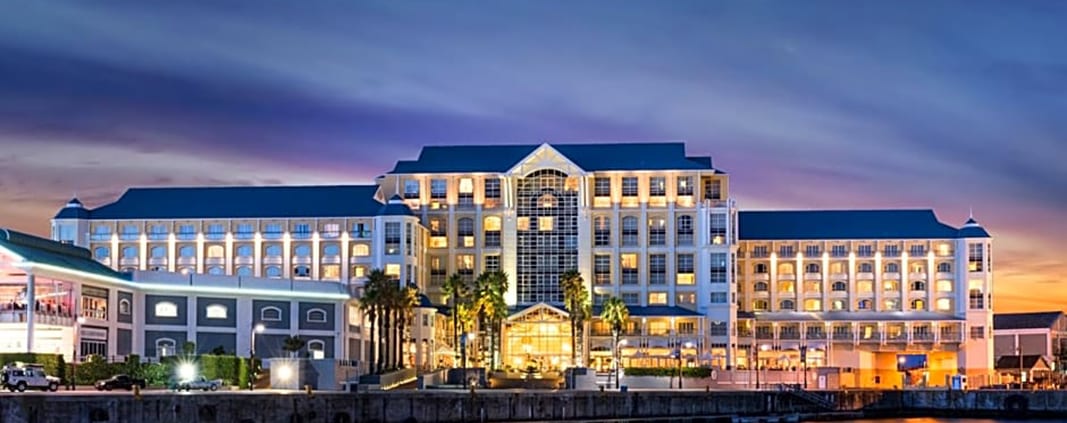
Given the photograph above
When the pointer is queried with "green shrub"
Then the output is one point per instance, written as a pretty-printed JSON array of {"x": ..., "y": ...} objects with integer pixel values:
[
  {"x": 693, "y": 372},
  {"x": 54, "y": 364}
]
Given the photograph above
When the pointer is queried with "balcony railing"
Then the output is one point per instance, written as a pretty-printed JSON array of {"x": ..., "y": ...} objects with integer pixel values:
[
  {"x": 100, "y": 237},
  {"x": 764, "y": 335},
  {"x": 789, "y": 335},
  {"x": 815, "y": 335},
  {"x": 244, "y": 235},
  {"x": 185, "y": 236},
  {"x": 838, "y": 336},
  {"x": 215, "y": 236},
  {"x": 359, "y": 234},
  {"x": 129, "y": 237},
  {"x": 922, "y": 337},
  {"x": 158, "y": 236},
  {"x": 871, "y": 337}
]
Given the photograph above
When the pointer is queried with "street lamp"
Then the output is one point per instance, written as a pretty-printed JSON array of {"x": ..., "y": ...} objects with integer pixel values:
[
  {"x": 74, "y": 353},
  {"x": 680, "y": 351},
  {"x": 804, "y": 363},
  {"x": 257, "y": 328},
  {"x": 763, "y": 347},
  {"x": 618, "y": 358},
  {"x": 1019, "y": 351}
]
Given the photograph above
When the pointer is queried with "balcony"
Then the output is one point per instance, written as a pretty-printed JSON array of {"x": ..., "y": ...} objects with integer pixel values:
[
  {"x": 358, "y": 259},
  {"x": 871, "y": 337},
  {"x": 761, "y": 277},
  {"x": 158, "y": 236},
  {"x": 847, "y": 336},
  {"x": 838, "y": 294},
  {"x": 243, "y": 260},
  {"x": 813, "y": 276},
  {"x": 897, "y": 337},
  {"x": 215, "y": 236},
  {"x": 185, "y": 236},
  {"x": 787, "y": 294},
  {"x": 331, "y": 259},
  {"x": 272, "y": 260},
  {"x": 301, "y": 260},
  {"x": 922, "y": 337},
  {"x": 359, "y": 234},
  {"x": 300, "y": 235},
  {"x": 891, "y": 275},
  {"x": 189, "y": 261},
  {"x": 244, "y": 235},
  {"x": 787, "y": 277},
  {"x": 791, "y": 335},
  {"x": 273, "y": 235},
  {"x": 815, "y": 335},
  {"x": 100, "y": 237},
  {"x": 215, "y": 261},
  {"x": 764, "y": 335},
  {"x": 945, "y": 276},
  {"x": 917, "y": 276},
  {"x": 761, "y": 294},
  {"x": 865, "y": 276},
  {"x": 41, "y": 318},
  {"x": 129, "y": 261},
  {"x": 839, "y": 276},
  {"x": 157, "y": 261}
]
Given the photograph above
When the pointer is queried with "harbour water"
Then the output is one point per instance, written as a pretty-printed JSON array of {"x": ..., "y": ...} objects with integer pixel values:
[{"x": 948, "y": 420}]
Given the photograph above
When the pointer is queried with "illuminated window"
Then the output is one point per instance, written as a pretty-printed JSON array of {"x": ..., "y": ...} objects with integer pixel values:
[
  {"x": 629, "y": 268},
  {"x": 975, "y": 257},
  {"x": 685, "y": 271},
  {"x": 812, "y": 305},
  {"x": 657, "y": 186},
  {"x": 759, "y": 305},
  {"x": 216, "y": 311},
  {"x": 944, "y": 249},
  {"x": 685, "y": 298},
  {"x": 657, "y": 231},
  {"x": 837, "y": 305},
  {"x": 918, "y": 304},
  {"x": 360, "y": 250},
  {"x": 393, "y": 271},
  {"x": 685, "y": 185},
  {"x": 891, "y": 285},
  {"x": 216, "y": 251},
  {"x": 785, "y": 268},
  {"x": 544, "y": 223},
  {"x": 786, "y": 287},
  {"x": 944, "y": 304},
  {"x": 718, "y": 228},
  {"x": 523, "y": 223},
  {"x": 358, "y": 272},
  {"x": 657, "y": 298},
  {"x": 166, "y": 309},
  {"x": 892, "y": 304},
  {"x": 330, "y": 272},
  {"x": 944, "y": 286},
  {"x": 331, "y": 230},
  {"x": 317, "y": 349},
  {"x": 865, "y": 287},
  {"x": 411, "y": 188}
]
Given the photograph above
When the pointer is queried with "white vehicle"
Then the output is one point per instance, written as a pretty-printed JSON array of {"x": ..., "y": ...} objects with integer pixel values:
[
  {"x": 201, "y": 384},
  {"x": 20, "y": 377}
]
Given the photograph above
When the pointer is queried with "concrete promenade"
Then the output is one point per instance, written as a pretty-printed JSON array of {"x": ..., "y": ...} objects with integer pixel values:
[{"x": 489, "y": 406}]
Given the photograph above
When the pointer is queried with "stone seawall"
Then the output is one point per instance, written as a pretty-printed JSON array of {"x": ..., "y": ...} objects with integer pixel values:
[{"x": 488, "y": 406}]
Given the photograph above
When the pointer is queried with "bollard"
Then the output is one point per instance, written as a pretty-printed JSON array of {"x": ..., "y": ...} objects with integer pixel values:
[
  {"x": 707, "y": 388},
  {"x": 307, "y": 389},
  {"x": 137, "y": 392}
]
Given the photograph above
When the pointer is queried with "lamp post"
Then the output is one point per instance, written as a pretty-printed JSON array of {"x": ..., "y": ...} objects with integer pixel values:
[
  {"x": 804, "y": 363},
  {"x": 618, "y": 358},
  {"x": 1019, "y": 351},
  {"x": 256, "y": 328},
  {"x": 78, "y": 322},
  {"x": 681, "y": 350}
]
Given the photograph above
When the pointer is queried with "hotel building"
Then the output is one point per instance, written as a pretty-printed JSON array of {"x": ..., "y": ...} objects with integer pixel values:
[{"x": 645, "y": 222}]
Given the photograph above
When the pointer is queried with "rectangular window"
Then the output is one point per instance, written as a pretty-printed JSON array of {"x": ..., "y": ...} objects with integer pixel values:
[
  {"x": 465, "y": 266},
  {"x": 186, "y": 232},
  {"x": 685, "y": 270},
  {"x": 360, "y": 230},
  {"x": 492, "y": 188},
  {"x": 130, "y": 233},
  {"x": 544, "y": 223},
  {"x": 438, "y": 271},
  {"x": 631, "y": 298},
  {"x": 718, "y": 298},
  {"x": 719, "y": 266},
  {"x": 602, "y": 269},
  {"x": 657, "y": 231},
  {"x": 760, "y": 251},
  {"x": 713, "y": 190},
  {"x": 438, "y": 189},
  {"x": 629, "y": 231},
  {"x": 331, "y": 230},
  {"x": 685, "y": 185},
  {"x": 629, "y": 186},
  {"x": 657, "y": 186},
  {"x": 301, "y": 231},
  {"x": 393, "y": 271},
  {"x": 599, "y": 298},
  {"x": 657, "y": 298},
  {"x": 917, "y": 251},
  {"x": 812, "y": 251},
  {"x": 331, "y": 272},
  {"x": 976, "y": 300},
  {"x": 657, "y": 269},
  {"x": 601, "y": 231},
  {"x": 215, "y": 232},
  {"x": 392, "y": 238},
  {"x": 978, "y": 332},
  {"x": 492, "y": 263},
  {"x": 466, "y": 186},
  {"x": 975, "y": 258},
  {"x": 245, "y": 231},
  {"x": 838, "y": 251},
  {"x": 685, "y": 298},
  {"x": 786, "y": 251},
  {"x": 602, "y": 186},
  {"x": 718, "y": 228},
  {"x": 155, "y": 233},
  {"x": 891, "y": 250},
  {"x": 865, "y": 251},
  {"x": 411, "y": 188},
  {"x": 629, "y": 268}
]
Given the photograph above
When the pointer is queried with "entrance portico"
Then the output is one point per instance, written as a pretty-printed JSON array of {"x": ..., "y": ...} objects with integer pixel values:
[{"x": 538, "y": 338}]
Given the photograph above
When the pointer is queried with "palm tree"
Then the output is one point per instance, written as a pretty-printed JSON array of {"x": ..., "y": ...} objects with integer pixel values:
[
  {"x": 292, "y": 345},
  {"x": 492, "y": 309},
  {"x": 407, "y": 300},
  {"x": 458, "y": 290},
  {"x": 372, "y": 302},
  {"x": 576, "y": 302},
  {"x": 615, "y": 314}
]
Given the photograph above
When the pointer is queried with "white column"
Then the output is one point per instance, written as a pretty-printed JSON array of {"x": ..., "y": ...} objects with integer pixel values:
[{"x": 31, "y": 304}]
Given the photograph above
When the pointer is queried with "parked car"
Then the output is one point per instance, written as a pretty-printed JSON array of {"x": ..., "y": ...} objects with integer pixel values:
[
  {"x": 200, "y": 383},
  {"x": 119, "y": 382},
  {"x": 20, "y": 377}
]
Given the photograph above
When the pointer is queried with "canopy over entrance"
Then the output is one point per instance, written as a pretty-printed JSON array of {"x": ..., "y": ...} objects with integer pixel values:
[{"x": 538, "y": 339}]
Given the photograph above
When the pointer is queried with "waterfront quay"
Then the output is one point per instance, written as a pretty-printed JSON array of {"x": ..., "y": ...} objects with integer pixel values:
[{"x": 518, "y": 406}]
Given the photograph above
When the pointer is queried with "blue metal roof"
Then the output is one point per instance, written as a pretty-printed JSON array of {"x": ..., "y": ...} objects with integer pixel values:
[
  {"x": 45, "y": 251},
  {"x": 73, "y": 210},
  {"x": 589, "y": 157},
  {"x": 395, "y": 207},
  {"x": 1039, "y": 320},
  {"x": 842, "y": 224},
  {"x": 242, "y": 202}
]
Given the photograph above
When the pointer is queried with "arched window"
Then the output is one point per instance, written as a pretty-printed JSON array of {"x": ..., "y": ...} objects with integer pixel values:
[
  {"x": 273, "y": 250},
  {"x": 761, "y": 286},
  {"x": 864, "y": 305},
  {"x": 918, "y": 286},
  {"x": 944, "y": 304},
  {"x": 317, "y": 348},
  {"x": 166, "y": 347},
  {"x": 944, "y": 267},
  {"x": 187, "y": 251},
  {"x": 547, "y": 201},
  {"x": 837, "y": 305},
  {"x": 890, "y": 285},
  {"x": 944, "y": 286},
  {"x": 270, "y": 314},
  {"x": 866, "y": 268},
  {"x": 684, "y": 228},
  {"x": 129, "y": 269},
  {"x": 316, "y": 315},
  {"x": 761, "y": 268},
  {"x": 840, "y": 286},
  {"x": 838, "y": 267},
  {"x": 216, "y": 270},
  {"x": 302, "y": 250},
  {"x": 186, "y": 270},
  {"x": 786, "y": 287},
  {"x": 785, "y": 268},
  {"x": 216, "y": 251},
  {"x": 301, "y": 271},
  {"x": 129, "y": 252},
  {"x": 331, "y": 250},
  {"x": 759, "y": 305},
  {"x": 124, "y": 306},
  {"x": 917, "y": 267},
  {"x": 812, "y": 304},
  {"x": 216, "y": 311},
  {"x": 812, "y": 268},
  {"x": 787, "y": 305},
  {"x": 918, "y": 304},
  {"x": 158, "y": 252},
  {"x": 102, "y": 253},
  {"x": 166, "y": 309},
  {"x": 892, "y": 268},
  {"x": 360, "y": 250},
  {"x": 244, "y": 271},
  {"x": 629, "y": 231},
  {"x": 892, "y": 304},
  {"x": 245, "y": 250},
  {"x": 273, "y": 272}
]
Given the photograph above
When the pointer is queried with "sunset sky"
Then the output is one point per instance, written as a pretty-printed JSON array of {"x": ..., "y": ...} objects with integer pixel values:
[{"x": 827, "y": 104}]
